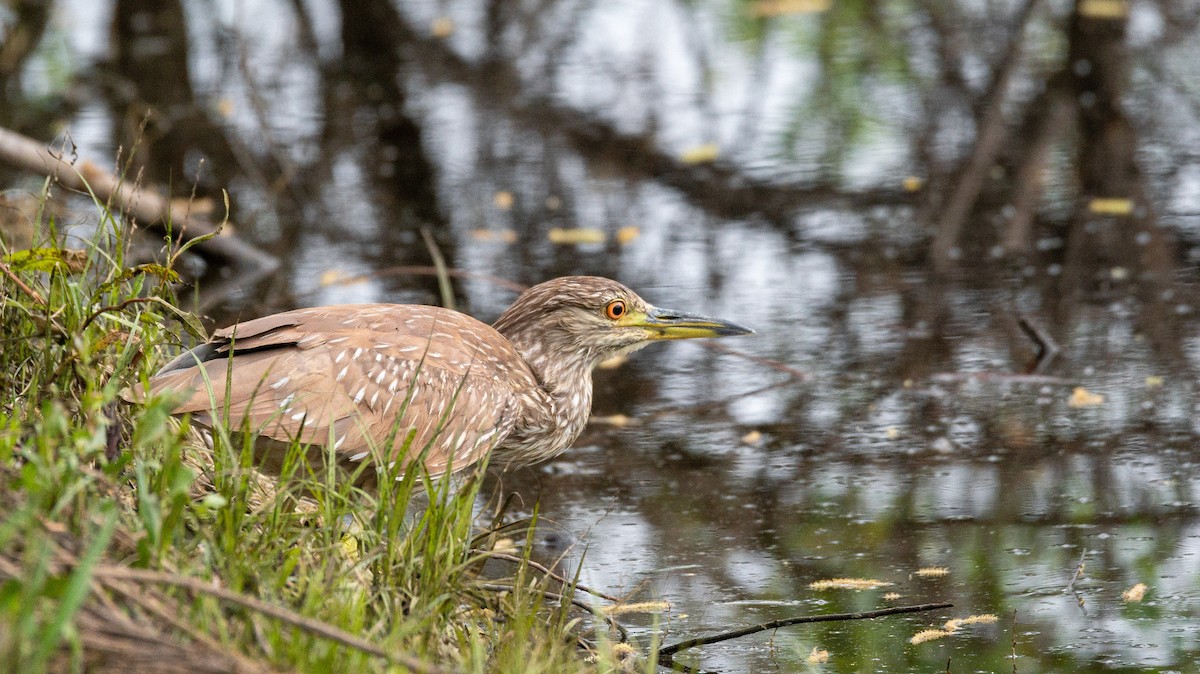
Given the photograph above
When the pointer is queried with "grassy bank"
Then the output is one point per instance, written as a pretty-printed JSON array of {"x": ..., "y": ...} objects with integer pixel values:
[{"x": 128, "y": 544}]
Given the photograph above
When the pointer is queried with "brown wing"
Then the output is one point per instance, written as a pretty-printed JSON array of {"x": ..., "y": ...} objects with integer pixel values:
[{"x": 352, "y": 375}]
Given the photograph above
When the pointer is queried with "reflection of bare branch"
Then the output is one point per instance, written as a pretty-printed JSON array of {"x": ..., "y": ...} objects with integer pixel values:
[
  {"x": 1055, "y": 113},
  {"x": 988, "y": 140},
  {"x": 718, "y": 188}
]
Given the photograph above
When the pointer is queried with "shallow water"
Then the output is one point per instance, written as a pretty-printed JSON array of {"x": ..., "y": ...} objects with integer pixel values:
[{"x": 884, "y": 419}]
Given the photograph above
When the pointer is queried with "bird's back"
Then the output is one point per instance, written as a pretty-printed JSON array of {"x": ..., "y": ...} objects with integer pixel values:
[{"x": 350, "y": 376}]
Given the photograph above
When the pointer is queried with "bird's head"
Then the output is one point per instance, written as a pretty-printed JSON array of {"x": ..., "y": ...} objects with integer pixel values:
[{"x": 592, "y": 319}]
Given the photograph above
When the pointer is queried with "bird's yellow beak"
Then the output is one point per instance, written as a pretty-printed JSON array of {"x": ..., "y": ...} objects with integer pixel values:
[{"x": 667, "y": 324}]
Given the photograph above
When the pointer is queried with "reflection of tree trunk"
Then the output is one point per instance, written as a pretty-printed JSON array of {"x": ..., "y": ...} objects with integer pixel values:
[
  {"x": 19, "y": 41},
  {"x": 151, "y": 58},
  {"x": 1099, "y": 64},
  {"x": 395, "y": 164}
]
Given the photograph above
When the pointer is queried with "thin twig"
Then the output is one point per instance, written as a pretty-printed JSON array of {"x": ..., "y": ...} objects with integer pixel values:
[
  {"x": 565, "y": 581},
  {"x": 439, "y": 263},
  {"x": 33, "y": 294},
  {"x": 666, "y": 652},
  {"x": 1048, "y": 349},
  {"x": 1078, "y": 571}
]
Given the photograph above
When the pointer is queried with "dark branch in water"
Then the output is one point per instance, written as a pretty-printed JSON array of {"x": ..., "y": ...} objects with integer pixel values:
[
  {"x": 666, "y": 653},
  {"x": 1048, "y": 349}
]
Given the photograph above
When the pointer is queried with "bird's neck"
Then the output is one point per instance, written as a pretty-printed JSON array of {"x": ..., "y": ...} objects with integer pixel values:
[{"x": 566, "y": 379}]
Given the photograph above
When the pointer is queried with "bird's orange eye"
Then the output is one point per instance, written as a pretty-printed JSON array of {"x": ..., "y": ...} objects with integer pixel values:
[{"x": 615, "y": 309}]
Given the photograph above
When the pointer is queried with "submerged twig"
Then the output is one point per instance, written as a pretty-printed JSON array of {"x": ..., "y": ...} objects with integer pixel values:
[
  {"x": 1048, "y": 348},
  {"x": 666, "y": 653},
  {"x": 555, "y": 596},
  {"x": 539, "y": 567}
]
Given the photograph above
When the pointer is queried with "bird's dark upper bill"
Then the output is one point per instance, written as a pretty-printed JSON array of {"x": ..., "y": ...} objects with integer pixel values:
[{"x": 679, "y": 325}]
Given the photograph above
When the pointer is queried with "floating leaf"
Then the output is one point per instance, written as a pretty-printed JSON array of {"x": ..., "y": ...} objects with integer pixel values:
[
  {"x": 637, "y": 607},
  {"x": 848, "y": 584},
  {"x": 1135, "y": 593},
  {"x": 928, "y": 635},
  {"x": 331, "y": 277},
  {"x": 495, "y": 235},
  {"x": 752, "y": 438},
  {"x": 892, "y": 432},
  {"x": 953, "y": 624},
  {"x": 913, "y": 184},
  {"x": 1082, "y": 397},
  {"x": 627, "y": 234},
  {"x": 503, "y": 200},
  {"x": 618, "y": 420},
  {"x": 818, "y": 656},
  {"x": 1104, "y": 9},
  {"x": 1118, "y": 273},
  {"x": 1111, "y": 206},
  {"x": 891, "y": 596},
  {"x": 1154, "y": 381},
  {"x": 933, "y": 572},
  {"x": 764, "y": 9},
  {"x": 442, "y": 27},
  {"x": 701, "y": 154},
  {"x": 575, "y": 235}
]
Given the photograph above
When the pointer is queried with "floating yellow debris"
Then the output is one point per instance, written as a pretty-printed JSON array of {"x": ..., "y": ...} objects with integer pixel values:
[
  {"x": 553, "y": 203},
  {"x": 1111, "y": 206},
  {"x": 818, "y": 656},
  {"x": 981, "y": 619},
  {"x": 503, "y": 200},
  {"x": 332, "y": 277},
  {"x": 1118, "y": 273},
  {"x": 618, "y": 420},
  {"x": 495, "y": 235},
  {"x": 701, "y": 154},
  {"x": 1082, "y": 397},
  {"x": 1135, "y": 593},
  {"x": 892, "y": 432},
  {"x": 225, "y": 108},
  {"x": 637, "y": 607},
  {"x": 913, "y": 184},
  {"x": 932, "y": 572},
  {"x": 752, "y": 438},
  {"x": 575, "y": 235},
  {"x": 443, "y": 27},
  {"x": 614, "y": 362},
  {"x": 928, "y": 635},
  {"x": 1154, "y": 381},
  {"x": 848, "y": 584},
  {"x": 1104, "y": 9},
  {"x": 891, "y": 596},
  {"x": 765, "y": 9},
  {"x": 627, "y": 234}
]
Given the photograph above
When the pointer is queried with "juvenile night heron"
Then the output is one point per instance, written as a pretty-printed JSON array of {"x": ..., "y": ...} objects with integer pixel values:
[{"x": 396, "y": 383}]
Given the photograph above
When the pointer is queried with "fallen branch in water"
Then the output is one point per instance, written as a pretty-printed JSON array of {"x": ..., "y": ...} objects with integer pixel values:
[
  {"x": 666, "y": 653},
  {"x": 142, "y": 203}
]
